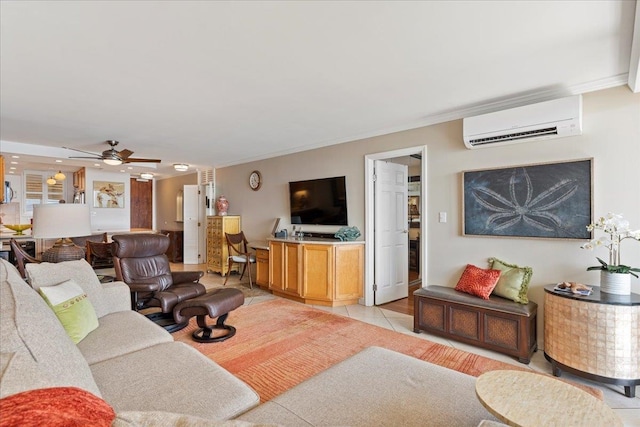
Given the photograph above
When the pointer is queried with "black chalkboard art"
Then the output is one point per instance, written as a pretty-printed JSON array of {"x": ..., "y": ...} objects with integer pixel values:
[{"x": 550, "y": 200}]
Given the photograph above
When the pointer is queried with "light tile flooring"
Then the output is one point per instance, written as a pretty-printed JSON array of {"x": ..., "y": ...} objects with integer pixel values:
[{"x": 627, "y": 408}]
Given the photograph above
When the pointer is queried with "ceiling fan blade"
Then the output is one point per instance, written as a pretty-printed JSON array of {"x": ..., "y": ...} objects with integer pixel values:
[
  {"x": 77, "y": 157},
  {"x": 132, "y": 160},
  {"x": 124, "y": 154},
  {"x": 82, "y": 151}
]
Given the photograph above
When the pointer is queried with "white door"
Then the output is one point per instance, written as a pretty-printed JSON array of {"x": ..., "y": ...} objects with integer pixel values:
[
  {"x": 190, "y": 219},
  {"x": 391, "y": 232}
]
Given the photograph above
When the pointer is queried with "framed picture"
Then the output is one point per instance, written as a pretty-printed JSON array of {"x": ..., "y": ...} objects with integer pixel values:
[
  {"x": 550, "y": 200},
  {"x": 108, "y": 194},
  {"x": 414, "y": 211}
]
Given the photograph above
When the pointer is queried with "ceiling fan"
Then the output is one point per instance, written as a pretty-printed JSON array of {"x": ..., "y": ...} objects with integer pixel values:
[{"x": 112, "y": 156}]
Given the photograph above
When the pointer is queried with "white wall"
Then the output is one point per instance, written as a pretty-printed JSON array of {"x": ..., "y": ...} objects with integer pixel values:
[{"x": 611, "y": 135}]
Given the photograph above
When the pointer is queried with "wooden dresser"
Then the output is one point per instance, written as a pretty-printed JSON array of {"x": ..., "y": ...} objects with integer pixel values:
[{"x": 217, "y": 252}]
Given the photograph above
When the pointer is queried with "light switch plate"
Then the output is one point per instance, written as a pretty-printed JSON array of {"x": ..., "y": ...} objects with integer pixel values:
[{"x": 442, "y": 217}]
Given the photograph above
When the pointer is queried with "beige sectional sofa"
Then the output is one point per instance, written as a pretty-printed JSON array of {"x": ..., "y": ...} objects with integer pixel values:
[
  {"x": 151, "y": 380},
  {"x": 130, "y": 362}
]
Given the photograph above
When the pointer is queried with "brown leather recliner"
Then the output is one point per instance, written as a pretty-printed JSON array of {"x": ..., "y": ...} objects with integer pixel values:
[{"x": 140, "y": 261}]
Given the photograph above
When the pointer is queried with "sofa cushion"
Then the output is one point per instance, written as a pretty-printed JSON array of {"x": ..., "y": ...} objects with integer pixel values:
[
  {"x": 376, "y": 387},
  {"x": 49, "y": 274},
  {"x": 56, "y": 407},
  {"x": 121, "y": 333},
  {"x": 128, "y": 382},
  {"x": 28, "y": 325},
  {"x": 19, "y": 372},
  {"x": 494, "y": 302},
  {"x": 72, "y": 307}
]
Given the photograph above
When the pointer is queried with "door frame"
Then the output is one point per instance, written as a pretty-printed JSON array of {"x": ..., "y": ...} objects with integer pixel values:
[{"x": 369, "y": 232}]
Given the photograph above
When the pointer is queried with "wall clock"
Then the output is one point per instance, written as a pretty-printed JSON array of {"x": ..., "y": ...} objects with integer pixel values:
[{"x": 255, "y": 180}]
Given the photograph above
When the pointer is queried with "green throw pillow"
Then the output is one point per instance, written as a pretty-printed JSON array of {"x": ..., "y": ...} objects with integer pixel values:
[
  {"x": 514, "y": 281},
  {"x": 72, "y": 307}
]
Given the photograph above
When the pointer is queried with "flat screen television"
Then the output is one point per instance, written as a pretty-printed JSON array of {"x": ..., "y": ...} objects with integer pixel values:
[{"x": 319, "y": 201}]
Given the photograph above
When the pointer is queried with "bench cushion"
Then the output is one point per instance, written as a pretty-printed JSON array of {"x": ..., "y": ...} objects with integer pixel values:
[{"x": 494, "y": 302}]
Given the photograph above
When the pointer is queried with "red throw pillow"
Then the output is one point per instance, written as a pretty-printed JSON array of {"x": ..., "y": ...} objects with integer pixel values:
[
  {"x": 55, "y": 407},
  {"x": 477, "y": 281}
]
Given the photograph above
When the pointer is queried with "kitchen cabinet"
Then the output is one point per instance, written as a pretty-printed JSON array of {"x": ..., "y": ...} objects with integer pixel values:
[
  {"x": 79, "y": 180},
  {"x": 217, "y": 251}
]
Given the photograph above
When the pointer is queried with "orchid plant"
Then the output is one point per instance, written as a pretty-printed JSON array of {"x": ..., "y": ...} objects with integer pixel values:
[{"x": 618, "y": 230}]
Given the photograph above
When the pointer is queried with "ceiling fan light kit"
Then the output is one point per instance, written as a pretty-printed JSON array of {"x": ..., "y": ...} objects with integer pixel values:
[
  {"x": 181, "y": 167},
  {"x": 112, "y": 162}
]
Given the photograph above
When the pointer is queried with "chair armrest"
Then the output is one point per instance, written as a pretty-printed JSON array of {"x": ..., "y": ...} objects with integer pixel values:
[
  {"x": 143, "y": 287},
  {"x": 186, "y": 276},
  {"x": 116, "y": 297}
]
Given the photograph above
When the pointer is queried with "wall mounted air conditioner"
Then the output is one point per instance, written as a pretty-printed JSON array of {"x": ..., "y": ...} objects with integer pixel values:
[{"x": 545, "y": 120}]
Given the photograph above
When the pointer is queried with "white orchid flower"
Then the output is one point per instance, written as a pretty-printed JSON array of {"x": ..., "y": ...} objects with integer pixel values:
[{"x": 617, "y": 230}]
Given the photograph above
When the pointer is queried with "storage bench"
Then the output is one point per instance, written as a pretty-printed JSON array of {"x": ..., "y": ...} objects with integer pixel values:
[{"x": 496, "y": 324}]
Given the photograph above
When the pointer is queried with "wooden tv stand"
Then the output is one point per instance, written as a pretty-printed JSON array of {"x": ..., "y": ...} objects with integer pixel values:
[{"x": 317, "y": 271}]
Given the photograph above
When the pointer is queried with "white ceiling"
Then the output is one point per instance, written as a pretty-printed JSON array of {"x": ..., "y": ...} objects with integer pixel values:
[{"x": 219, "y": 83}]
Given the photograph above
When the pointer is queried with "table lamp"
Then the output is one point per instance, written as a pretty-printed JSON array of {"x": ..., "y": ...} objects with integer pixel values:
[{"x": 61, "y": 221}]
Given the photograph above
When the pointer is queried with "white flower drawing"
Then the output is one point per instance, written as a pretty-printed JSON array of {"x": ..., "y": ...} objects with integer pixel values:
[{"x": 534, "y": 211}]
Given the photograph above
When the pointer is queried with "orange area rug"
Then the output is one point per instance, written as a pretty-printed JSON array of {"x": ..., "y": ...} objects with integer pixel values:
[{"x": 279, "y": 344}]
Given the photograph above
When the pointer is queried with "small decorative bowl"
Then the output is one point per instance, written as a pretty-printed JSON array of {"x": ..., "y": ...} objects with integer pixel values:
[{"x": 18, "y": 228}]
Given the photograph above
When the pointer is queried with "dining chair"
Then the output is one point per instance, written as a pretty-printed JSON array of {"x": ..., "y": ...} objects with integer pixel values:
[
  {"x": 239, "y": 253},
  {"x": 99, "y": 254},
  {"x": 22, "y": 257}
]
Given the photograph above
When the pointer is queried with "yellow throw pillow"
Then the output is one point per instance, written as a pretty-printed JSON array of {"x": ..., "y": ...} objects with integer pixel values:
[
  {"x": 72, "y": 307},
  {"x": 514, "y": 281}
]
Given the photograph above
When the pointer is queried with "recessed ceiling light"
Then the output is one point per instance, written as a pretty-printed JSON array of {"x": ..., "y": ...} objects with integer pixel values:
[
  {"x": 58, "y": 161},
  {"x": 12, "y": 168},
  {"x": 15, "y": 156},
  {"x": 129, "y": 167},
  {"x": 14, "y": 163},
  {"x": 97, "y": 165}
]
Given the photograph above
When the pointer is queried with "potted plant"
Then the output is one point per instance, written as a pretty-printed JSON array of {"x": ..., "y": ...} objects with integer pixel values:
[{"x": 615, "y": 278}]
